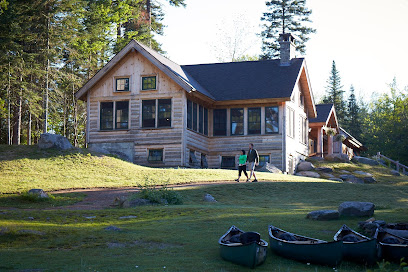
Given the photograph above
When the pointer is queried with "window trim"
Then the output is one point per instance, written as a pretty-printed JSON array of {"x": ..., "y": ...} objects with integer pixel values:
[
  {"x": 149, "y": 76},
  {"x": 116, "y": 78},
  {"x": 155, "y": 149},
  {"x": 266, "y": 132},
  {"x": 260, "y": 120},
  {"x": 116, "y": 117},
  {"x": 226, "y": 123},
  {"x": 158, "y": 112},
  {"x": 156, "y": 116},
  {"x": 243, "y": 121},
  {"x": 114, "y": 123}
]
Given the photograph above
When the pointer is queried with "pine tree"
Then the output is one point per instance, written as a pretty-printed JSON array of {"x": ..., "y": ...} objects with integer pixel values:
[
  {"x": 353, "y": 121},
  {"x": 334, "y": 93},
  {"x": 285, "y": 16}
]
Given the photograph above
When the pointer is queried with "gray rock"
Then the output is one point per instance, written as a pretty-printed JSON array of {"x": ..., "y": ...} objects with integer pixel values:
[
  {"x": 355, "y": 208},
  {"x": 31, "y": 232},
  {"x": 90, "y": 217},
  {"x": 305, "y": 166},
  {"x": 344, "y": 172},
  {"x": 48, "y": 140},
  {"x": 315, "y": 158},
  {"x": 39, "y": 193},
  {"x": 30, "y": 218},
  {"x": 345, "y": 177},
  {"x": 395, "y": 173},
  {"x": 323, "y": 215},
  {"x": 369, "y": 180},
  {"x": 309, "y": 174},
  {"x": 128, "y": 217},
  {"x": 112, "y": 228},
  {"x": 209, "y": 198},
  {"x": 336, "y": 179},
  {"x": 365, "y": 160},
  {"x": 324, "y": 169},
  {"x": 362, "y": 173},
  {"x": 337, "y": 158},
  {"x": 327, "y": 175},
  {"x": 400, "y": 233},
  {"x": 351, "y": 179}
]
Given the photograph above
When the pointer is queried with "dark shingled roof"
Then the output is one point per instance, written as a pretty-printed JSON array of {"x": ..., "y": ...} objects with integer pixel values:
[
  {"x": 246, "y": 80},
  {"x": 323, "y": 111}
]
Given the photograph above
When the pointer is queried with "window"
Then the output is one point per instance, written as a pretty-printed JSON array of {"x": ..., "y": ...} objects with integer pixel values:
[
  {"x": 204, "y": 163},
  {"x": 155, "y": 155},
  {"x": 291, "y": 123},
  {"x": 303, "y": 130},
  {"x": 228, "y": 162},
  {"x": 301, "y": 100},
  {"x": 200, "y": 119},
  {"x": 254, "y": 121},
  {"x": 195, "y": 116},
  {"x": 122, "y": 84},
  {"x": 122, "y": 115},
  {"x": 263, "y": 159},
  {"x": 148, "y": 113},
  {"x": 193, "y": 159},
  {"x": 189, "y": 114},
  {"x": 220, "y": 122},
  {"x": 164, "y": 119},
  {"x": 149, "y": 83},
  {"x": 271, "y": 120},
  {"x": 237, "y": 121},
  {"x": 106, "y": 116},
  {"x": 205, "y": 121}
]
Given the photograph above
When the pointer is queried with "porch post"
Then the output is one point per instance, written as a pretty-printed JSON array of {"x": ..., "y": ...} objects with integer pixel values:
[
  {"x": 319, "y": 149},
  {"x": 330, "y": 144}
]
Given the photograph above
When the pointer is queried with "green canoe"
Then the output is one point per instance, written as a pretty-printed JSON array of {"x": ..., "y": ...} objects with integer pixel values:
[
  {"x": 357, "y": 247},
  {"x": 305, "y": 249},
  {"x": 244, "y": 248},
  {"x": 392, "y": 247}
]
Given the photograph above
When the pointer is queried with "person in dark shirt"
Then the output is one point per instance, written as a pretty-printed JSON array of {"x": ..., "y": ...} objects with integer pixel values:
[{"x": 253, "y": 159}]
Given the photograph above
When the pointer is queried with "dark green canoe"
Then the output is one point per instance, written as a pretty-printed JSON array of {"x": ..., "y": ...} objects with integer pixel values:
[
  {"x": 392, "y": 247},
  {"x": 249, "y": 251},
  {"x": 305, "y": 249},
  {"x": 357, "y": 247}
]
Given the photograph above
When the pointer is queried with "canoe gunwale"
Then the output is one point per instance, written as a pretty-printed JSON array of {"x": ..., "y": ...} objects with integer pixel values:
[{"x": 346, "y": 228}]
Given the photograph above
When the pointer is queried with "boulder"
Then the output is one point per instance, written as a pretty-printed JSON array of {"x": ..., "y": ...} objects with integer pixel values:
[
  {"x": 362, "y": 173},
  {"x": 315, "y": 158},
  {"x": 112, "y": 228},
  {"x": 400, "y": 233},
  {"x": 336, "y": 179},
  {"x": 351, "y": 179},
  {"x": 338, "y": 157},
  {"x": 324, "y": 169},
  {"x": 355, "y": 208},
  {"x": 323, "y": 215},
  {"x": 365, "y": 160},
  {"x": 269, "y": 167},
  {"x": 48, "y": 140},
  {"x": 369, "y": 180},
  {"x": 39, "y": 193},
  {"x": 305, "y": 166},
  {"x": 395, "y": 173},
  {"x": 344, "y": 172},
  {"x": 209, "y": 198},
  {"x": 327, "y": 175},
  {"x": 309, "y": 174}
]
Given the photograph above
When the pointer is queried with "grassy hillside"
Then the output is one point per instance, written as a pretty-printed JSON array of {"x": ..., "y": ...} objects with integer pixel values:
[{"x": 26, "y": 167}]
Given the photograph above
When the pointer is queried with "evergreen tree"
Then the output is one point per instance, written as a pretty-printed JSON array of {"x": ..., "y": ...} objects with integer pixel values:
[
  {"x": 353, "y": 120},
  {"x": 334, "y": 93},
  {"x": 285, "y": 16}
]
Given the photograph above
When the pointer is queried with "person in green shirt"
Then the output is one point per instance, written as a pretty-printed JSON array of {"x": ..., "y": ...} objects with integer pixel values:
[{"x": 242, "y": 165}]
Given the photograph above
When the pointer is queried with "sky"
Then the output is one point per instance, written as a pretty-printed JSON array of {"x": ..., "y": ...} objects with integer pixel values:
[{"x": 368, "y": 39}]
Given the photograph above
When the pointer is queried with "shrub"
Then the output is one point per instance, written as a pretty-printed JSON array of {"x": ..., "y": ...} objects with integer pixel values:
[
  {"x": 161, "y": 195},
  {"x": 26, "y": 196}
]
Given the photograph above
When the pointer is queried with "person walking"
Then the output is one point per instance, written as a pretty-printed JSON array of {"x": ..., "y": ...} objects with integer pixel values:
[
  {"x": 253, "y": 159},
  {"x": 242, "y": 165}
]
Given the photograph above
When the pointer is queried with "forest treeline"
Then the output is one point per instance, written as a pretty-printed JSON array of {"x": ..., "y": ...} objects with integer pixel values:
[{"x": 50, "y": 48}]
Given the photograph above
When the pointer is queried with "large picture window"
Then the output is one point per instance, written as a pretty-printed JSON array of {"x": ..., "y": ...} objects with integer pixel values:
[
  {"x": 122, "y": 84},
  {"x": 149, "y": 83},
  {"x": 106, "y": 116},
  {"x": 122, "y": 115},
  {"x": 148, "y": 113},
  {"x": 271, "y": 120},
  {"x": 254, "y": 121},
  {"x": 220, "y": 122},
  {"x": 197, "y": 117},
  {"x": 237, "y": 121},
  {"x": 164, "y": 118}
]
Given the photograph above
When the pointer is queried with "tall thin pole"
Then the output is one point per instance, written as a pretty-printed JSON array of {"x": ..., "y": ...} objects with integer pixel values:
[
  {"x": 45, "y": 130},
  {"x": 8, "y": 108}
]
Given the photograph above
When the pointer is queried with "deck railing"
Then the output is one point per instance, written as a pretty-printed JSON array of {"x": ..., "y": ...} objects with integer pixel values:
[{"x": 398, "y": 166}]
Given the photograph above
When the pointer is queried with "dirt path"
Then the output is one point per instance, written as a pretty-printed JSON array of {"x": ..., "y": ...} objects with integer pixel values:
[{"x": 102, "y": 198}]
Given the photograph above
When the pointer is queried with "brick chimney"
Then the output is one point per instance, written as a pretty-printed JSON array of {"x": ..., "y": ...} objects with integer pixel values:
[{"x": 287, "y": 48}]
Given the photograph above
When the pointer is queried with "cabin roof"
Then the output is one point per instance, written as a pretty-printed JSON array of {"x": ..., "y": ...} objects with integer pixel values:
[{"x": 323, "y": 113}]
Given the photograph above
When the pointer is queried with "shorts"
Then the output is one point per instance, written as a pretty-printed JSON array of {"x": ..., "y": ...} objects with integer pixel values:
[{"x": 251, "y": 166}]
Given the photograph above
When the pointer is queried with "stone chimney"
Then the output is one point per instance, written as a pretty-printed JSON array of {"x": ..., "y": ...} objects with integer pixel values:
[{"x": 287, "y": 48}]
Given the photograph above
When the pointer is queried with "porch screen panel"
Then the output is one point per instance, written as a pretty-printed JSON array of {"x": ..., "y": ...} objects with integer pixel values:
[
  {"x": 271, "y": 120},
  {"x": 205, "y": 121},
  {"x": 254, "y": 121},
  {"x": 106, "y": 115},
  {"x": 122, "y": 115},
  {"x": 220, "y": 122},
  {"x": 164, "y": 118},
  {"x": 200, "y": 119},
  {"x": 237, "y": 121},
  {"x": 195, "y": 116},
  {"x": 148, "y": 113}
]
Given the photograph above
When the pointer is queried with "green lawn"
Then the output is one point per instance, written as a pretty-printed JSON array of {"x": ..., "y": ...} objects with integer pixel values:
[{"x": 175, "y": 237}]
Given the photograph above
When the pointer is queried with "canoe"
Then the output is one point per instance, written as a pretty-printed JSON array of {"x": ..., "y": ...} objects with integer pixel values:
[
  {"x": 244, "y": 248},
  {"x": 357, "y": 247},
  {"x": 304, "y": 249},
  {"x": 392, "y": 247}
]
